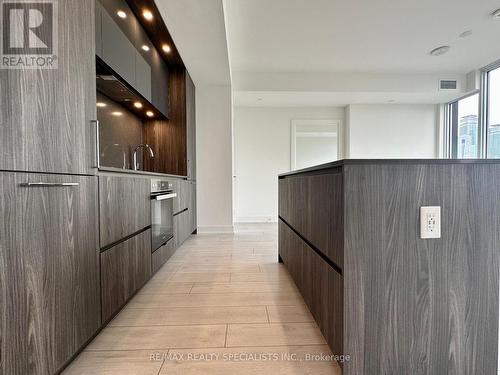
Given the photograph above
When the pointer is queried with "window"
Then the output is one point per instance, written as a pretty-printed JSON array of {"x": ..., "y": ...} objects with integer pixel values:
[
  {"x": 493, "y": 113},
  {"x": 473, "y": 122},
  {"x": 463, "y": 117}
]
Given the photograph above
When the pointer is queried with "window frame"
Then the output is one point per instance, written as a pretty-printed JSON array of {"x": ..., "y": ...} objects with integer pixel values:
[
  {"x": 449, "y": 107},
  {"x": 485, "y": 104}
]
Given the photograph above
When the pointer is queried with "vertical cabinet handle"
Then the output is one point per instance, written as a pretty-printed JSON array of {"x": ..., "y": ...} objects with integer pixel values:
[{"x": 97, "y": 146}]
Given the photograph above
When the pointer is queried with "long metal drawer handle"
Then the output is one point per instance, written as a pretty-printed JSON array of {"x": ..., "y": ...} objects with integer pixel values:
[{"x": 50, "y": 184}]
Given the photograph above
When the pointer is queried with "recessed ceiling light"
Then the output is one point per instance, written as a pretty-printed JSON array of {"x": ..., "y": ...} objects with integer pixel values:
[
  {"x": 116, "y": 113},
  {"x": 121, "y": 14},
  {"x": 138, "y": 105},
  {"x": 145, "y": 48},
  {"x": 440, "y": 50},
  {"x": 126, "y": 99},
  {"x": 150, "y": 114},
  {"x": 166, "y": 48},
  {"x": 496, "y": 14},
  {"x": 465, "y": 34},
  {"x": 101, "y": 104},
  {"x": 147, "y": 14}
]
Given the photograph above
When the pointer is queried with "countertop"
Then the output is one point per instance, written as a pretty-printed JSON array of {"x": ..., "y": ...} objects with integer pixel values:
[
  {"x": 143, "y": 173},
  {"x": 339, "y": 163}
]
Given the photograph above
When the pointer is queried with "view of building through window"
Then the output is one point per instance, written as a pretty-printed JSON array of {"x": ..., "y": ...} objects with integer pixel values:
[
  {"x": 468, "y": 126},
  {"x": 494, "y": 114}
]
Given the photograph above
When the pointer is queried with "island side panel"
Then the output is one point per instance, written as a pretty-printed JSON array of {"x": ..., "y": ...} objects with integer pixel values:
[{"x": 421, "y": 306}]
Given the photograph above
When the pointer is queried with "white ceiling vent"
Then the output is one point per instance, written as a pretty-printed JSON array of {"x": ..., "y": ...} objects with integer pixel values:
[{"x": 446, "y": 84}]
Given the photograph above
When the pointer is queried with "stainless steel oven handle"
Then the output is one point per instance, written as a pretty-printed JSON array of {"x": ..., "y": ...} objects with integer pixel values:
[
  {"x": 165, "y": 196},
  {"x": 49, "y": 184}
]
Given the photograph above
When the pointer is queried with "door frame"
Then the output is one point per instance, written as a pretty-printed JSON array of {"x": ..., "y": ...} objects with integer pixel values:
[{"x": 294, "y": 124}]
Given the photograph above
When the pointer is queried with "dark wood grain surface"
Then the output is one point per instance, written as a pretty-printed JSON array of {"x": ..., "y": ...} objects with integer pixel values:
[
  {"x": 313, "y": 206},
  {"x": 124, "y": 207},
  {"x": 124, "y": 269},
  {"x": 168, "y": 138},
  {"x": 49, "y": 271},
  {"x": 157, "y": 31},
  {"x": 161, "y": 255},
  {"x": 421, "y": 306},
  {"x": 45, "y": 124},
  {"x": 320, "y": 285},
  {"x": 191, "y": 127}
]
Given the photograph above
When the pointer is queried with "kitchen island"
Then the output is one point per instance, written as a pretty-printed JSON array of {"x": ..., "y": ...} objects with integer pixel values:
[{"x": 388, "y": 300}]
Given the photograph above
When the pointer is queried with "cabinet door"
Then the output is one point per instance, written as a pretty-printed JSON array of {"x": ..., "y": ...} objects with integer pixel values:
[
  {"x": 191, "y": 128},
  {"x": 125, "y": 207},
  {"x": 182, "y": 227},
  {"x": 117, "y": 51},
  {"x": 98, "y": 28},
  {"x": 124, "y": 269},
  {"x": 176, "y": 186},
  {"x": 45, "y": 122},
  {"x": 160, "y": 256},
  {"x": 49, "y": 271},
  {"x": 182, "y": 188},
  {"x": 142, "y": 76},
  {"x": 192, "y": 207}
]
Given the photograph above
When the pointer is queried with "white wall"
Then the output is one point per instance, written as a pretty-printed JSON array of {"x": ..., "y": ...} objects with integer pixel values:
[
  {"x": 262, "y": 151},
  {"x": 214, "y": 157},
  {"x": 392, "y": 131}
]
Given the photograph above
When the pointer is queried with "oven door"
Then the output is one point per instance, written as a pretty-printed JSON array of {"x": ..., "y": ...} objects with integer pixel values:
[{"x": 162, "y": 222}]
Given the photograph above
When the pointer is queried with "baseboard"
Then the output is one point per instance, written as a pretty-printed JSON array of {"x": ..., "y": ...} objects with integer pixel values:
[
  {"x": 215, "y": 229},
  {"x": 256, "y": 219}
]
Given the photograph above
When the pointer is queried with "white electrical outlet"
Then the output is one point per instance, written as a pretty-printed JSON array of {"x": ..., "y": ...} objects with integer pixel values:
[{"x": 430, "y": 222}]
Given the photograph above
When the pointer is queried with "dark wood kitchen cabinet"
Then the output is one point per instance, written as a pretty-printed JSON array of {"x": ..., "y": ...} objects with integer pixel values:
[
  {"x": 395, "y": 303},
  {"x": 160, "y": 256},
  {"x": 124, "y": 207},
  {"x": 182, "y": 225},
  {"x": 320, "y": 285},
  {"x": 49, "y": 270},
  {"x": 117, "y": 50},
  {"x": 46, "y": 114},
  {"x": 119, "y": 44},
  {"x": 124, "y": 269}
]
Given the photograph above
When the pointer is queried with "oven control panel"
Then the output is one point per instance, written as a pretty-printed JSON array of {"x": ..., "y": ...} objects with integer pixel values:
[{"x": 160, "y": 185}]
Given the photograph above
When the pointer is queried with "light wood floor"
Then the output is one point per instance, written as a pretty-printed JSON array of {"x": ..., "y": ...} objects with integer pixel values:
[{"x": 221, "y": 305}]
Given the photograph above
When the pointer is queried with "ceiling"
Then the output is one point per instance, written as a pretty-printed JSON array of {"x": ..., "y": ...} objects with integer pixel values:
[
  {"x": 199, "y": 32},
  {"x": 361, "y": 35},
  {"x": 295, "y": 52}
]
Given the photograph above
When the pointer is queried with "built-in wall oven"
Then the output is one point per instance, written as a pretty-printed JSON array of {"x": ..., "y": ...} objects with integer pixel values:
[{"x": 162, "y": 222}]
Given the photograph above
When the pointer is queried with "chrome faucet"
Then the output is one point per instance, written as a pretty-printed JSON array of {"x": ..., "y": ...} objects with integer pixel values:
[{"x": 146, "y": 146}]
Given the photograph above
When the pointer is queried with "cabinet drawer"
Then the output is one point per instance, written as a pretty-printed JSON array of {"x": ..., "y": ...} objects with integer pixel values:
[
  {"x": 320, "y": 285},
  {"x": 160, "y": 256},
  {"x": 124, "y": 269},
  {"x": 313, "y": 206},
  {"x": 125, "y": 207}
]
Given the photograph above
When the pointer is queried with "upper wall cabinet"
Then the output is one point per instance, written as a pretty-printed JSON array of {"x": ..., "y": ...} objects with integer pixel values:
[
  {"x": 46, "y": 114},
  {"x": 125, "y": 47},
  {"x": 117, "y": 51}
]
